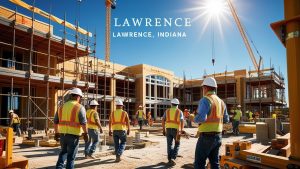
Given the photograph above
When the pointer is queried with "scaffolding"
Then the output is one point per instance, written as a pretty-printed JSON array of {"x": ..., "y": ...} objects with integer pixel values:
[
  {"x": 53, "y": 66},
  {"x": 40, "y": 70},
  {"x": 264, "y": 91}
]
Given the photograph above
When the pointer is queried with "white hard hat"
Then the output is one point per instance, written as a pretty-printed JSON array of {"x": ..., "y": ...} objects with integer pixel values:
[
  {"x": 94, "y": 103},
  {"x": 140, "y": 106},
  {"x": 175, "y": 101},
  {"x": 76, "y": 91},
  {"x": 239, "y": 106},
  {"x": 119, "y": 103},
  {"x": 10, "y": 111},
  {"x": 210, "y": 81}
]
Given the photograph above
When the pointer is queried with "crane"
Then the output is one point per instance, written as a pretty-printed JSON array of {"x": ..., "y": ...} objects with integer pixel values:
[
  {"x": 109, "y": 4},
  {"x": 257, "y": 66}
]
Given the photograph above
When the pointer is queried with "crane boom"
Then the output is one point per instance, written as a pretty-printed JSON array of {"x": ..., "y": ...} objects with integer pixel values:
[
  {"x": 109, "y": 4},
  {"x": 243, "y": 34},
  {"x": 107, "y": 30}
]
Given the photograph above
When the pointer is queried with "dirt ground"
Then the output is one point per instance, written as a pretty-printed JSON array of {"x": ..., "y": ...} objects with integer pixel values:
[{"x": 153, "y": 156}]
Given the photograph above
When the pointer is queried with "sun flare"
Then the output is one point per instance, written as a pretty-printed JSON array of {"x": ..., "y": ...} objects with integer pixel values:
[{"x": 210, "y": 12}]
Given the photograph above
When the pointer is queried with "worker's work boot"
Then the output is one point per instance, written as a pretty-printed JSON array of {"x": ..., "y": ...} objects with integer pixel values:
[
  {"x": 118, "y": 158},
  {"x": 172, "y": 162}
]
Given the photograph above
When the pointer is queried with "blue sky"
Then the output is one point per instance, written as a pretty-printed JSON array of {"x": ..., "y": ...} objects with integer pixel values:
[{"x": 192, "y": 54}]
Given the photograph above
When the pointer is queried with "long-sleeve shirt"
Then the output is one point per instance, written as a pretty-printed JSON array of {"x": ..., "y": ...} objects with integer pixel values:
[
  {"x": 81, "y": 116},
  {"x": 204, "y": 109}
]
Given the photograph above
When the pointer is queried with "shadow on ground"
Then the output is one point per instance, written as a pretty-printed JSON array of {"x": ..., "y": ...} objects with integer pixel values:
[
  {"x": 87, "y": 163},
  {"x": 94, "y": 163},
  {"x": 188, "y": 166},
  {"x": 160, "y": 165}
]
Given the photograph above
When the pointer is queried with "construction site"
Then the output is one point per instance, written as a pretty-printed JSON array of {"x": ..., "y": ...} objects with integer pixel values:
[{"x": 39, "y": 68}]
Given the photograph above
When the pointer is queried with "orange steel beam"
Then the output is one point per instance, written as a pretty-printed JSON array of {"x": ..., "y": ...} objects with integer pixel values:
[
  {"x": 288, "y": 31},
  {"x": 291, "y": 10},
  {"x": 243, "y": 34}
]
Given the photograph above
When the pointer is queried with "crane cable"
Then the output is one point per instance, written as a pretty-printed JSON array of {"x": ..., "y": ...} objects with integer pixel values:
[
  {"x": 253, "y": 44},
  {"x": 213, "y": 42}
]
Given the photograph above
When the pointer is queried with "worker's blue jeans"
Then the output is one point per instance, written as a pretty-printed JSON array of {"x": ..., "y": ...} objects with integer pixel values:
[
  {"x": 91, "y": 145},
  {"x": 16, "y": 127},
  {"x": 69, "y": 147},
  {"x": 171, "y": 135},
  {"x": 120, "y": 141},
  {"x": 208, "y": 147}
]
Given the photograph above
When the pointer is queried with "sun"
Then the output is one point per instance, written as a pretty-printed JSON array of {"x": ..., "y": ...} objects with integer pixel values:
[
  {"x": 210, "y": 12},
  {"x": 214, "y": 8}
]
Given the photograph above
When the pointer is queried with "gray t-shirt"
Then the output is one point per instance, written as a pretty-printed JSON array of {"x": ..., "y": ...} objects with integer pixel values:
[{"x": 81, "y": 116}]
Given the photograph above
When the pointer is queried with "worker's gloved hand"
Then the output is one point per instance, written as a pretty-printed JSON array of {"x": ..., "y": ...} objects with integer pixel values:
[
  {"x": 57, "y": 137},
  {"x": 85, "y": 137},
  {"x": 101, "y": 131},
  {"x": 128, "y": 131},
  {"x": 110, "y": 133},
  {"x": 164, "y": 132}
]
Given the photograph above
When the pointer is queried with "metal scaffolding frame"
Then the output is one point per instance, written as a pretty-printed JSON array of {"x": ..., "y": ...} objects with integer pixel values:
[{"x": 31, "y": 99}]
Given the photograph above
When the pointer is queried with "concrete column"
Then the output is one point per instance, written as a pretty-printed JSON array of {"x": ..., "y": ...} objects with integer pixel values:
[
  {"x": 291, "y": 10},
  {"x": 140, "y": 90},
  {"x": 155, "y": 96},
  {"x": 155, "y": 111},
  {"x": 171, "y": 90}
]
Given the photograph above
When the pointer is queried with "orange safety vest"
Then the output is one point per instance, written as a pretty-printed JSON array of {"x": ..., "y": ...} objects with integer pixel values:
[
  {"x": 68, "y": 118},
  {"x": 214, "y": 121},
  {"x": 118, "y": 119},
  {"x": 173, "y": 118},
  {"x": 90, "y": 114}
]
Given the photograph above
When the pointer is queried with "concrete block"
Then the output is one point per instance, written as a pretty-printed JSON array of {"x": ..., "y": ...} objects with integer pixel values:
[
  {"x": 271, "y": 128},
  {"x": 262, "y": 132},
  {"x": 286, "y": 127}
]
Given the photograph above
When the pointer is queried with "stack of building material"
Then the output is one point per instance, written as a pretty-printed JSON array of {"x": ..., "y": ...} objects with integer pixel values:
[
  {"x": 281, "y": 146},
  {"x": 286, "y": 127},
  {"x": 262, "y": 132},
  {"x": 271, "y": 128}
]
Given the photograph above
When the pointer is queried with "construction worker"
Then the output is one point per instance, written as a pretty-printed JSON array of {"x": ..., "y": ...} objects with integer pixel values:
[
  {"x": 192, "y": 116},
  {"x": 172, "y": 123},
  {"x": 210, "y": 116},
  {"x": 186, "y": 114},
  {"x": 67, "y": 122},
  {"x": 93, "y": 127},
  {"x": 149, "y": 119},
  {"x": 140, "y": 114},
  {"x": 15, "y": 122},
  {"x": 274, "y": 115},
  {"x": 236, "y": 120},
  {"x": 118, "y": 123},
  {"x": 250, "y": 116}
]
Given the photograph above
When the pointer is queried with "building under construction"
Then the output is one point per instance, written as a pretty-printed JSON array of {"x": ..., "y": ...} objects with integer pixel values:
[{"x": 37, "y": 68}]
